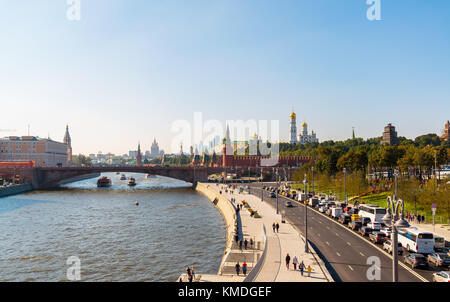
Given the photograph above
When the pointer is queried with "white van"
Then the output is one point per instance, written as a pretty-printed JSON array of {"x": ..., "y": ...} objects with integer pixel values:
[{"x": 336, "y": 212}]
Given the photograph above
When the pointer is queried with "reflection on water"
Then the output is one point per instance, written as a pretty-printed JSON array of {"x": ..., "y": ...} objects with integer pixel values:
[{"x": 115, "y": 240}]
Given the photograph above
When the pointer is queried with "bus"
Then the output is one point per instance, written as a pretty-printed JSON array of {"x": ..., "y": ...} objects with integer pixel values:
[
  {"x": 375, "y": 213},
  {"x": 439, "y": 242},
  {"x": 416, "y": 240}
]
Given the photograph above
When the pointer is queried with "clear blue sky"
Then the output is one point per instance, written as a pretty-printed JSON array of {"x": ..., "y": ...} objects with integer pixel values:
[{"x": 128, "y": 69}]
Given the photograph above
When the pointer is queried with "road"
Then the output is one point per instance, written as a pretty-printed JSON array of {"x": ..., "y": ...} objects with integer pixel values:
[{"x": 344, "y": 251}]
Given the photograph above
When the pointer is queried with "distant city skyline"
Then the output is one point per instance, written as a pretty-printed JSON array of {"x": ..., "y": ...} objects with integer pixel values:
[{"x": 126, "y": 71}]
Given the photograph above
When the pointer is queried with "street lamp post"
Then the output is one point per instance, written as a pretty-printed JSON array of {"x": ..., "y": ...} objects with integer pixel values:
[
  {"x": 396, "y": 220},
  {"x": 345, "y": 196},
  {"x": 276, "y": 179},
  {"x": 313, "y": 187},
  {"x": 262, "y": 193},
  {"x": 306, "y": 219}
]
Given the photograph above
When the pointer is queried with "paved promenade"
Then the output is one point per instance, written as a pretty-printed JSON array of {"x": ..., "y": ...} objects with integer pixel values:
[{"x": 279, "y": 244}]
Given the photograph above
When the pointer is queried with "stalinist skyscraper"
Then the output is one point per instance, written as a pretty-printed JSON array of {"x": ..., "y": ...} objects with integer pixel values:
[
  {"x": 68, "y": 142},
  {"x": 293, "y": 128}
]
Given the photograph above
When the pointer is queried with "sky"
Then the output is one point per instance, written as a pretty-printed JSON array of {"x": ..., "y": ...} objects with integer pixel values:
[{"x": 129, "y": 69}]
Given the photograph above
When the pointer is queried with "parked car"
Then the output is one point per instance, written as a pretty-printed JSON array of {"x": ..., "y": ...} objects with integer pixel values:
[
  {"x": 439, "y": 259},
  {"x": 289, "y": 204},
  {"x": 356, "y": 217},
  {"x": 328, "y": 212},
  {"x": 336, "y": 212},
  {"x": 376, "y": 226},
  {"x": 365, "y": 231},
  {"x": 344, "y": 219},
  {"x": 355, "y": 225},
  {"x": 322, "y": 209},
  {"x": 388, "y": 246},
  {"x": 377, "y": 237},
  {"x": 273, "y": 195},
  {"x": 416, "y": 260},
  {"x": 441, "y": 277}
]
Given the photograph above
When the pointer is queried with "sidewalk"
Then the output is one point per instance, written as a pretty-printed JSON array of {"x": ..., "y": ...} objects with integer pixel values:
[{"x": 288, "y": 240}]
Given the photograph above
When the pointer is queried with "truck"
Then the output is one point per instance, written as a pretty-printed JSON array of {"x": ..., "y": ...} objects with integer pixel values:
[
  {"x": 313, "y": 201},
  {"x": 336, "y": 212}
]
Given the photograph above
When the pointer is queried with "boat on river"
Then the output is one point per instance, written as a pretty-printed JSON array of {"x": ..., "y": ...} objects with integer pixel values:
[{"x": 104, "y": 182}]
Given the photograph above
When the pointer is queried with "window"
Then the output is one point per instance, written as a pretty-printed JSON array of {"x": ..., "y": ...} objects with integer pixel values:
[{"x": 426, "y": 236}]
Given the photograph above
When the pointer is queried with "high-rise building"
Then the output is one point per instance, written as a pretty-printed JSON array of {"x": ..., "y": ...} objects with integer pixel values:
[
  {"x": 446, "y": 135},
  {"x": 154, "y": 149},
  {"x": 389, "y": 135}
]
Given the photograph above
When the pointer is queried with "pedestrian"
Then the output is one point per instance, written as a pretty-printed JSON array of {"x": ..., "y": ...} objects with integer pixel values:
[
  {"x": 240, "y": 245},
  {"x": 277, "y": 226},
  {"x": 309, "y": 269},
  {"x": 193, "y": 273},
  {"x": 251, "y": 243},
  {"x": 273, "y": 227},
  {"x": 301, "y": 267},
  {"x": 288, "y": 260},
  {"x": 236, "y": 238},
  {"x": 244, "y": 268},
  {"x": 245, "y": 243},
  {"x": 294, "y": 262},
  {"x": 238, "y": 268}
]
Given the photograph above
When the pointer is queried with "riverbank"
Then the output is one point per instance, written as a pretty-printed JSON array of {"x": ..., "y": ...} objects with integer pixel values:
[{"x": 15, "y": 189}]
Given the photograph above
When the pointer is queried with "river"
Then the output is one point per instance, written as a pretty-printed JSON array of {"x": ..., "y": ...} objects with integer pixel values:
[{"x": 115, "y": 240}]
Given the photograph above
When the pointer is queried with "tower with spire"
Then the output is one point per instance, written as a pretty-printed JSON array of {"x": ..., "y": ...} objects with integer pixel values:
[
  {"x": 293, "y": 128},
  {"x": 139, "y": 156},
  {"x": 227, "y": 150},
  {"x": 68, "y": 141}
]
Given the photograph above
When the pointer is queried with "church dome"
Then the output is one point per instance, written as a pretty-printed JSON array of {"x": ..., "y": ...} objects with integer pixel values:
[
  {"x": 304, "y": 124},
  {"x": 293, "y": 115}
]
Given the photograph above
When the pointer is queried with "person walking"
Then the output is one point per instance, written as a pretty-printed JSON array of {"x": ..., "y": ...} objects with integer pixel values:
[
  {"x": 193, "y": 273},
  {"x": 295, "y": 262},
  {"x": 244, "y": 268},
  {"x": 240, "y": 245},
  {"x": 288, "y": 260},
  {"x": 237, "y": 268},
  {"x": 273, "y": 227},
  {"x": 277, "y": 226},
  {"x": 309, "y": 269},
  {"x": 301, "y": 267},
  {"x": 236, "y": 238},
  {"x": 251, "y": 243},
  {"x": 245, "y": 243}
]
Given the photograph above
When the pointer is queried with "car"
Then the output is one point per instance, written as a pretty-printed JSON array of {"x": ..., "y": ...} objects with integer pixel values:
[
  {"x": 365, "y": 221},
  {"x": 388, "y": 246},
  {"x": 376, "y": 226},
  {"x": 416, "y": 260},
  {"x": 344, "y": 219},
  {"x": 328, "y": 212},
  {"x": 441, "y": 277},
  {"x": 356, "y": 217},
  {"x": 365, "y": 231},
  {"x": 444, "y": 250},
  {"x": 355, "y": 225},
  {"x": 322, "y": 209},
  {"x": 273, "y": 195},
  {"x": 386, "y": 231},
  {"x": 377, "y": 237},
  {"x": 289, "y": 204},
  {"x": 439, "y": 259}
]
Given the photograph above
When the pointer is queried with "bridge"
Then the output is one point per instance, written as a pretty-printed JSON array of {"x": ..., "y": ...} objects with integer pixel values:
[{"x": 50, "y": 177}]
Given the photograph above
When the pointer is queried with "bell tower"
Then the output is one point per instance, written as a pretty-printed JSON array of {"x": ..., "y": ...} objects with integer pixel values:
[{"x": 68, "y": 141}]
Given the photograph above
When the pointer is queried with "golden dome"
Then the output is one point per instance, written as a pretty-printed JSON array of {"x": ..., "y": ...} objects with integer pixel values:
[
  {"x": 304, "y": 124},
  {"x": 293, "y": 116}
]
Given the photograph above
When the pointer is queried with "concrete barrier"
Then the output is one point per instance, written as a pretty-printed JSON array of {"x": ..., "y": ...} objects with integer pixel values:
[
  {"x": 257, "y": 268},
  {"x": 16, "y": 189},
  {"x": 228, "y": 212}
]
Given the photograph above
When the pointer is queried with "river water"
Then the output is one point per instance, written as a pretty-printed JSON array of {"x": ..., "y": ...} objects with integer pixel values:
[{"x": 115, "y": 240}]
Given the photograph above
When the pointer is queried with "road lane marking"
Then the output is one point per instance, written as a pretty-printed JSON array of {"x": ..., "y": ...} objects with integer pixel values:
[
  {"x": 351, "y": 268},
  {"x": 318, "y": 234},
  {"x": 338, "y": 254},
  {"x": 328, "y": 227},
  {"x": 362, "y": 254},
  {"x": 320, "y": 222},
  {"x": 337, "y": 234},
  {"x": 349, "y": 243},
  {"x": 327, "y": 242}
]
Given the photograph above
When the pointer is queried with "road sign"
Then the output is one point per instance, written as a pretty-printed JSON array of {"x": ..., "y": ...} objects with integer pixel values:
[{"x": 433, "y": 206}]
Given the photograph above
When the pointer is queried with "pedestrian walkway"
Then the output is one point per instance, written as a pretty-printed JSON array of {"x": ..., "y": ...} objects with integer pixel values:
[{"x": 279, "y": 244}]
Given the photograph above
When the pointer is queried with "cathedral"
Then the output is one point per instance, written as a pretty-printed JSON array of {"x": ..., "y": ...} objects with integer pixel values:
[{"x": 302, "y": 137}]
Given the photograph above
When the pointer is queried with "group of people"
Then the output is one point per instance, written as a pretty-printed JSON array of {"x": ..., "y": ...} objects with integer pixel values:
[
  {"x": 244, "y": 243},
  {"x": 301, "y": 266},
  {"x": 190, "y": 273},
  {"x": 238, "y": 268},
  {"x": 275, "y": 227},
  {"x": 415, "y": 218}
]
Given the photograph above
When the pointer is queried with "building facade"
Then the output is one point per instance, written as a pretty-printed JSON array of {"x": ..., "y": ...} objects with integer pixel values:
[
  {"x": 389, "y": 135},
  {"x": 154, "y": 149},
  {"x": 44, "y": 152}
]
